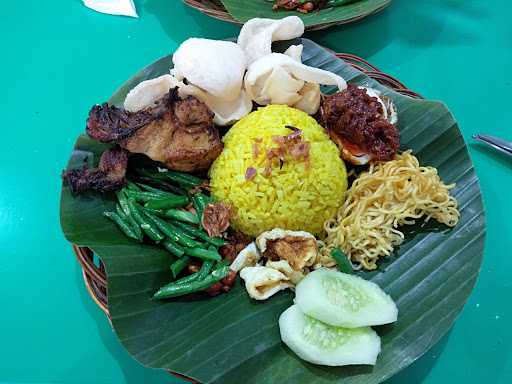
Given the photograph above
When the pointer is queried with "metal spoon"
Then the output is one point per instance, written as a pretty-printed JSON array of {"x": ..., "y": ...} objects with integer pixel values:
[{"x": 495, "y": 142}]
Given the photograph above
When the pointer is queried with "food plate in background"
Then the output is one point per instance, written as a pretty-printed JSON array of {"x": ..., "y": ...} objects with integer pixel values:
[
  {"x": 239, "y": 11},
  {"x": 231, "y": 338}
]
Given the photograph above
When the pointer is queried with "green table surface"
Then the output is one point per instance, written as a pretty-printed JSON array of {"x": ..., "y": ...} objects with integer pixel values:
[{"x": 58, "y": 58}]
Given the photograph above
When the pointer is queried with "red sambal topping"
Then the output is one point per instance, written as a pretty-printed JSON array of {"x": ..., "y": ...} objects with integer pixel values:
[{"x": 355, "y": 121}]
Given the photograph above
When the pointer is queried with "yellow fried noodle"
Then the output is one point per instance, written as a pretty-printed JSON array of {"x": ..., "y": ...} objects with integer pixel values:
[{"x": 387, "y": 196}]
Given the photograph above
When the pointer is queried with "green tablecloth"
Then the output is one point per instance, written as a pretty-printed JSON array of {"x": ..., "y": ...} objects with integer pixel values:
[{"x": 59, "y": 58}]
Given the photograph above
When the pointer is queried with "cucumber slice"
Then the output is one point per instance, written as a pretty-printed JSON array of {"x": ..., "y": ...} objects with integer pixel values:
[
  {"x": 324, "y": 344},
  {"x": 344, "y": 300}
]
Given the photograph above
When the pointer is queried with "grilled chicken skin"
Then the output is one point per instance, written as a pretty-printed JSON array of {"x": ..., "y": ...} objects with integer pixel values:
[{"x": 176, "y": 132}]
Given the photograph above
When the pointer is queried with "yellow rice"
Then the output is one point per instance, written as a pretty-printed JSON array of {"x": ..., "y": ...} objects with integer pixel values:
[{"x": 295, "y": 197}]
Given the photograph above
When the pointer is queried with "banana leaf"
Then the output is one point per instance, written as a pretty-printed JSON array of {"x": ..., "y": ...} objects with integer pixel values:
[
  {"x": 233, "y": 339},
  {"x": 243, "y": 10}
]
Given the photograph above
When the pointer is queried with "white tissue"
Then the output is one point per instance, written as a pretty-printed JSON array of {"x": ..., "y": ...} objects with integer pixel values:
[{"x": 113, "y": 7}]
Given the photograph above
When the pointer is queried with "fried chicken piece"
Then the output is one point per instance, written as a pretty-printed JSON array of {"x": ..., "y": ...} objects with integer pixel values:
[
  {"x": 109, "y": 124},
  {"x": 109, "y": 176},
  {"x": 176, "y": 132}
]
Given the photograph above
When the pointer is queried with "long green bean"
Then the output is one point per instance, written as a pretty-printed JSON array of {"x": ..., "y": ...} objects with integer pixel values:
[
  {"x": 121, "y": 213},
  {"x": 179, "y": 265},
  {"x": 172, "y": 201},
  {"x": 174, "y": 290},
  {"x": 133, "y": 187},
  {"x": 341, "y": 259},
  {"x": 122, "y": 225},
  {"x": 130, "y": 222},
  {"x": 205, "y": 269},
  {"x": 149, "y": 188},
  {"x": 156, "y": 212},
  {"x": 143, "y": 196},
  {"x": 199, "y": 275},
  {"x": 205, "y": 254},
  {"x": 173, "y": 248},
  {"x": 200, "y": 202},
  {"x": 123, "y": 202},
  {"x": 197, "y": 233},
  {"x": 186, "y": 240},
  {"x": 185, "y": 180},
  {"x": 162, "y": 225},
  {"x": 174, "y": 233},
  {"x": 149, "y": 228},
  {"x": 185, "y": 216}
]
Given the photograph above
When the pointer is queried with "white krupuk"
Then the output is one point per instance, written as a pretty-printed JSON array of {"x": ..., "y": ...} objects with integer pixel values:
[
  {"x": 263, "y": 282},
  {"x": 218, "y": 73},
  {"x": 284, "y": 267},
  {"x": 280, "y": 79},
  {"x": 146, "y": 93},
  {"x": 257, "y": 35},
  {"x": 310, "y": 98},
  {"x": 295, "y": 52},
  {"x": 215, "y": 66},
  {"x": 248, "y": 257},
  {"x": 278, "y": 233}
]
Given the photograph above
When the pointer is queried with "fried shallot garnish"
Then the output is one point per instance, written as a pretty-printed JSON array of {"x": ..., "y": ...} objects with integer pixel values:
[
  {"x": 216, "y": 219},
  {"x": 292, "y": 145}
]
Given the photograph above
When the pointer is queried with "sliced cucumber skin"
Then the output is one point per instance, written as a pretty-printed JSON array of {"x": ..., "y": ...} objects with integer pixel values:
[
  {"x": 361, "y": 347},
  {"x": 315, "y": 300}
]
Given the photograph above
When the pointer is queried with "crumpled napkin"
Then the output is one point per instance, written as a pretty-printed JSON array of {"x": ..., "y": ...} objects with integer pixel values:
[{"x": 113, "y": 7}]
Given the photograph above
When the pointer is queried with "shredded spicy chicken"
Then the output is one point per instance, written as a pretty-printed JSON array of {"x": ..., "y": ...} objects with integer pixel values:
[
  {"x": 355, "y": 122},
  {"x": 216, "y": 219}
]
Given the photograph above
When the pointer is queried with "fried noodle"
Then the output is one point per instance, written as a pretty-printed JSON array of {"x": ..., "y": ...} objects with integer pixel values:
[{"x": 383, "y": 198}]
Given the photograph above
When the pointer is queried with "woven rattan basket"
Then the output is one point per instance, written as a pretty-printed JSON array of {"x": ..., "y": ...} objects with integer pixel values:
[
  {"x": 94, "y": 271},
  {"x": 214, "y": 8}
]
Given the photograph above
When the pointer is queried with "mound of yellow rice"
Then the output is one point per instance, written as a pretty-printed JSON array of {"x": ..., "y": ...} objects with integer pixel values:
[{"x": 296, "y": 196}]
